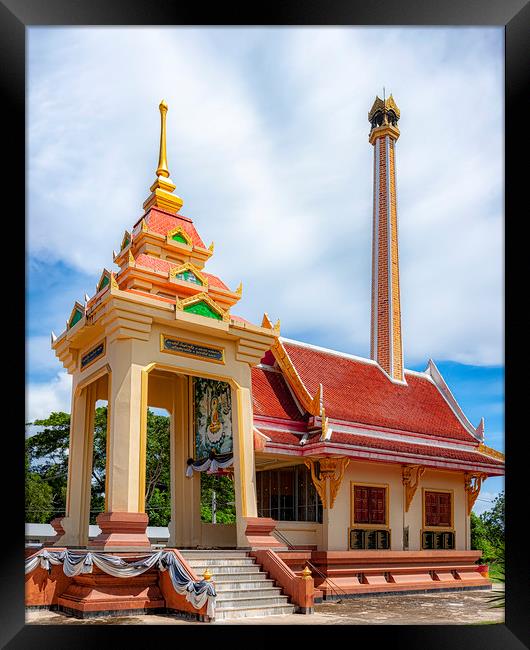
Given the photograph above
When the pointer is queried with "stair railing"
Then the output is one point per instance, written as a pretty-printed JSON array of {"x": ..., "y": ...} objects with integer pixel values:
[{"x": 334, "y": 587}]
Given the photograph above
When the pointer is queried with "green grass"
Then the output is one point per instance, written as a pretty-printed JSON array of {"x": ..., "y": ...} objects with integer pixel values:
[{"x": 496, "y": 573}]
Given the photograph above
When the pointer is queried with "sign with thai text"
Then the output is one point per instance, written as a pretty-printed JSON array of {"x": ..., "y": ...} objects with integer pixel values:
[
  {"x": 92, "y": 355},
  {"x": 191, "y": 349}
]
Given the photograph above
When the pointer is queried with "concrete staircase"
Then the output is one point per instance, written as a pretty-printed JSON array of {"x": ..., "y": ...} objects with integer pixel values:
[{"x": 243, "y": 590}]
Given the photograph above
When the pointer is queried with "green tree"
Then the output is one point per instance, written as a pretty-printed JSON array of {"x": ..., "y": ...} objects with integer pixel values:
[
  {"x": 39, "y": 498},
  {"x": 224, "y": 495}
]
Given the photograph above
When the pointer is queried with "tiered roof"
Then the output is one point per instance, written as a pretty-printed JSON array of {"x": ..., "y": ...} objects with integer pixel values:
[{"x": 364, "y": 414}]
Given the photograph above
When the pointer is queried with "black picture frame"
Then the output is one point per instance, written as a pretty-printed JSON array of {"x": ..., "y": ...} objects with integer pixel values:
[{"x": 514, "y": 15}]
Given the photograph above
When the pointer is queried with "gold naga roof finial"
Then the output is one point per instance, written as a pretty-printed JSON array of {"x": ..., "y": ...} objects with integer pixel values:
[
  {"x": 162, "y": 189},
  {"x": 162, "y": 169}
]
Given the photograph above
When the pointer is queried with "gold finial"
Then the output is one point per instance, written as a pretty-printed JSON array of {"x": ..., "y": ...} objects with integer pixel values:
[
  {"x": 211, "y": 247},
  {"x": 239, "y": 290},
  {"x": 207, "y": 575},
  {"x": 306, "y": 573},
  {"x": 162, "y": 158},
  {"x": 131, "y": 258}
]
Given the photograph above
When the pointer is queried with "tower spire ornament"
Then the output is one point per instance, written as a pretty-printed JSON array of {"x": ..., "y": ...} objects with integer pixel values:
[
  {"x": 386, "y": 342},
  {"x": 162, "y": 157},
  {"x": 162, "y": 189}
]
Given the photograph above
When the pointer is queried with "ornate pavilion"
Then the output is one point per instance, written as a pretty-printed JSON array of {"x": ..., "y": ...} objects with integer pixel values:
[{"x": 357, "y": 472}]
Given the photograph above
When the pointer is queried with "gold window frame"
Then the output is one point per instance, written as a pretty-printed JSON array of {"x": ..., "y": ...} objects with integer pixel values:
[{"x": 353, "y": 523}]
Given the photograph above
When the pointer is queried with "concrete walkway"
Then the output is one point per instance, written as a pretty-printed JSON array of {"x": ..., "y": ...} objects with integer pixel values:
[{"x": 455, "y": 608}]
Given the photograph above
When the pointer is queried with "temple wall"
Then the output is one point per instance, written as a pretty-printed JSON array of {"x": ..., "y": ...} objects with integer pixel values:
[
  {"x": 339, "y": 518},
  {"x": 443, "y": 481},
  {"x": 302, "y": 533},
  {"x": 221, "y": 535}
]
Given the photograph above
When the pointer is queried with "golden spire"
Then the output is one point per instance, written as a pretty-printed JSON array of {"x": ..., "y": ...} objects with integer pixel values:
[
  {"x": 162, "y": 158},
  {"x": 162, "y": 189}
]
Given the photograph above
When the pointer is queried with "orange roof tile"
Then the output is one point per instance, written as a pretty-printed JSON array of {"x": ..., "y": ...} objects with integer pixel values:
[
  {"x": 272, "y": 397},
  {"x": 163, "y": 222},
  {"x": 357, "y": 391}
]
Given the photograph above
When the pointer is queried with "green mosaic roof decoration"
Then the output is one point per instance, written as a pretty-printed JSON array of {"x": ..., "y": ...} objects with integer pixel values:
[
  {"x": 126, "y": 242},
  {"x": 104, "y": 282},
  {"x": 188, "y": 276},
  {"x": 202, "y": 309},
  {"x": 178, "y": 237},
  {"x": 75, "y": 318}
]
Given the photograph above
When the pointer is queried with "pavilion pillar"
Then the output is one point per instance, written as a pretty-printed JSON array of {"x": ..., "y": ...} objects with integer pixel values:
[
  {"x": 124, "y": 523},
  {"x": 244, "y": 465},
  {"x": 75, "y": 523},
  {"x": 185, "y": 526}
]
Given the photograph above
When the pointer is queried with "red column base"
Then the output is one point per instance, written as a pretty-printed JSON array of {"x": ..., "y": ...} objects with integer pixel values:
[
  {"x": 259, "y": 534},
  {"x": 121, "y": 531}
]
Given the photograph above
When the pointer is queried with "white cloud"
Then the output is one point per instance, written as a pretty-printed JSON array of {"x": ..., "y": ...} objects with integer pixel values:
[
  {"x": 43, "y": 398},
  {"x": 267, "y": 144}
]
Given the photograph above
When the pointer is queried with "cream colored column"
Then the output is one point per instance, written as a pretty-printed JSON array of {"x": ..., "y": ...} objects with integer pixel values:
[
  {"x": 75, "y": 524},
  {"x": 244, "y": 465},
  {"x": 184, "y": 530},
  {"x": 126, "y": 463}
]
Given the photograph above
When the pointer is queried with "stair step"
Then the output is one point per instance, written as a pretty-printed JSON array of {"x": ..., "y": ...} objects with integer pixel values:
[
  {"x": 240, "y": 578},
  {"x": 239, "y": 561},
  {"x": 243, "y": 587},
  {"x": 232, "y": 569},
  {"x": 231, "y": 613},
  {"x": 253, "y": 601},
  {"x": 231, "y": 594}
]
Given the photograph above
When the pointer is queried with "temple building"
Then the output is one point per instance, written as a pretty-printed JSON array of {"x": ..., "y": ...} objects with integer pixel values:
[{"x": 350, "y": 474}]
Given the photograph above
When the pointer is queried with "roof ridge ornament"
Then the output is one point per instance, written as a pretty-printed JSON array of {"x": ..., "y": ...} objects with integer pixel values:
[{"x": 162, "y": 189}]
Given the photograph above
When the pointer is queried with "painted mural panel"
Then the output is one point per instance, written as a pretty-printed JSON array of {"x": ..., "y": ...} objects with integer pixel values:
[{"x": 212, "y": 405}]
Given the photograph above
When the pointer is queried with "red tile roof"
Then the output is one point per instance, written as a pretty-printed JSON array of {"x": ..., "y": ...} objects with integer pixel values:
[
  {"x": 411, "y": 448},
  {"x": 357, "y": 391},
  {"x": 283, "y": 437},
  {"x": 163, "y": 265},
  {"x": 163, "y": 222},
  {"x": 272, "y": 397}
]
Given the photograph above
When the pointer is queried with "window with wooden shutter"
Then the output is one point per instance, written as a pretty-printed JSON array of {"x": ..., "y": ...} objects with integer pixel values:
[
  {"x": 369, "y": 505},
  {"x": 437, "y": 509}
]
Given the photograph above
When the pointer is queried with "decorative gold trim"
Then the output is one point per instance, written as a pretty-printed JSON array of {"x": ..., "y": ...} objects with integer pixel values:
[
  {"x": 126, "y": 235},
  {"x": 188, "y": 266},
  {"x": 239, "y": 290},
  {"x": 355, "y": 524},
  {"x": 211, "y": 247},
  {"x": 103, "y": 275},
  {"x": 489, "y": 451},
  {"x": 411, "y": 475},
  {"x": 144, "y": 379},
  {"x": 163, "y": 337},
  {"x": 77, "y": 307},
  {"x": 430, "y": 489},
  {"x": 331, "y": 469},
  {"x": 287, "y": 367},
  {"x": 200, "y": 297},
  {"x": 472, "y": 484},
  {"x": 241, "y": 448},
  {"x": 113, "y": 282},
  {"x": 131, "y": 259},
  {"x": 143, "y": 224},
  {"x": 386, "y": 105},
  {"x": 179, "y": 230}
]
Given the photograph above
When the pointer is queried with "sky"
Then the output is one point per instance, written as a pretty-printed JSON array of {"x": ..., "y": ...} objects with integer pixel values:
[{"x": 268, "y": 147}]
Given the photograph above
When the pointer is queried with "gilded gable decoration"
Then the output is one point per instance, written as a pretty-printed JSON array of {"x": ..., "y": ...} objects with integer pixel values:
[
  {"x": 188, "y": 273},
  {"x": 104, "y": 280},
  {"x": 202, "y": 305},
  {"x": 180, "y": 236}
]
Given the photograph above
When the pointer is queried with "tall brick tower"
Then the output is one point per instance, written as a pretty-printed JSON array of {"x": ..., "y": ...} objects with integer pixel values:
[{"x": 386, "y": 343}]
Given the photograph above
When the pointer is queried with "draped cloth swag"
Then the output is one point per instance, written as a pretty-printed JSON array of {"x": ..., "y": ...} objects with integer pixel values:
[
  {"x": 210, "y": 464},
  {"x": 197, "y": 592}
]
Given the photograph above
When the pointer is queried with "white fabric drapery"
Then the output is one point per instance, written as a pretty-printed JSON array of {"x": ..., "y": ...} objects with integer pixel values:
[
  {"x": 209, "y": 464},
  {"x": 197, "y": 592}
]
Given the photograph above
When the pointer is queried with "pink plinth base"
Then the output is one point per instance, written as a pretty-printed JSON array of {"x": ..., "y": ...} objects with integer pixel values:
[
  {"x": 121, "y": 530},
  {"x": 259, "y": 533}
]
